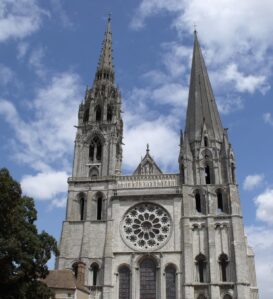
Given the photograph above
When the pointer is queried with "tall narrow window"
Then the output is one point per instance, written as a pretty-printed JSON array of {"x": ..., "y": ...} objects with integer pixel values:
[
  {"x": 198, "y": 204},
  {"x": 207, "y": 175},
  {"x": 99, "y": 208},
  {"x": 109, "y": 112},
  {"x": 82, "y": 208},
  {"x": 170, "y": 282},
  {"x": 99, "y": 151},
  {"x": 147, "y": 279},
  {"x": 233, "y": 173},
  {"x": 220, "y": 204},
  {"x": 98, "y": 113},
  {"x": 223, "y": 262},
  {"x": 124, "y": 282},
  {"x": 201, "y": 267},
  {"x": 95, "y": 150},
  {"x": 94, "y": 272},
  {"x": 206, "y": 142}
]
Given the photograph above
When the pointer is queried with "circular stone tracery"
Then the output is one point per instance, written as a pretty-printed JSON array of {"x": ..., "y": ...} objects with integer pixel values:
[{"x": 146, "y": 226}]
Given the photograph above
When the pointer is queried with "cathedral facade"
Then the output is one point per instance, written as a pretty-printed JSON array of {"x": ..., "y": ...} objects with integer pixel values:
[{"x": 152, "y": 235}]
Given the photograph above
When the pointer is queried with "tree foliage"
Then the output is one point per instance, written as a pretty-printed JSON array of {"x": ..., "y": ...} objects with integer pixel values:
[{"x": 24, "y": 251}]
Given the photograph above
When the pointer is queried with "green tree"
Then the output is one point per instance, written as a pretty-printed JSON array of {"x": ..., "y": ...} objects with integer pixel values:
[{"x": 23, "y": 251}]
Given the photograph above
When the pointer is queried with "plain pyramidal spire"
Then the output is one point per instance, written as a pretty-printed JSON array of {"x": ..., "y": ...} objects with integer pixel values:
[
  {"x": 202, "y": 108},
  {"x": 105, "y": 67}
]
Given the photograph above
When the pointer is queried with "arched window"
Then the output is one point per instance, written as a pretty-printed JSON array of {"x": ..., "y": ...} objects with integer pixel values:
[
  {"x": 207, "y": 174},
  {"x": 94, "y": 274},
  {"x": 95, "y": 150},
  {"x": 220, "y": 203},
  {"x": 94, "y": 172},
  {"x": 233, "y": 173},
  {"x": 99, "y": 208},
  {"x": 109, "y": 112},
  {"x": 227, "y": 297},
  {"x": 124, "y": 282},
  {"x": 223, "y": 262},
  {"x": 201, "y": 267},
  {"x": 170, "y": 272},
  {"x": 206, "y": 141},
  {"x": 198, "y": 204},
  {"x": 98, "y": 113},
  {"x": 86, "y": 115},
  {"x": 82, "y": 208},
  {"x": 148, "y": 279}
]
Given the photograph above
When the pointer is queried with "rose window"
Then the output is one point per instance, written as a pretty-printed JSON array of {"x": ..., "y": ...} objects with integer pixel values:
[{"x": 146, "y": 226}]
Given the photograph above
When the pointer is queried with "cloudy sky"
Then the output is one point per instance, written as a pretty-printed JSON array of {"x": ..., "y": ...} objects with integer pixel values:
[{"x": 48, "y": 55}]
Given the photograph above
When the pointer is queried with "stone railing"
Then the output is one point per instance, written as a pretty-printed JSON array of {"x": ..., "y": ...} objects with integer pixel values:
[
  {"x": 148, "y": 181},
  {"x": 134, "y": 181}
]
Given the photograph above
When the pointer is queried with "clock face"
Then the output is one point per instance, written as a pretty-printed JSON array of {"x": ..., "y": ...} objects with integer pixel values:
[{"x": 146, "y": 227}]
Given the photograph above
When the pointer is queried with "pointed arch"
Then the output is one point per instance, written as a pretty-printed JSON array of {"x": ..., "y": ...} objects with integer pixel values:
[
  {"x": 93, "y": 172},
  {"x": 98, "y": 113},
  {"x": 207, "y": 174},
  {"x": 201, "y": 263},
  {"x": 124, "y": 282},
  {"x": 170, "y": 273},
  {"x": 110, "y": 112},
  {"x": 81, "y": 198},
  {"x": 94, "y": 273},
  {"x": 100, "y": 206},
  {"x": 95, "y": 149},
  {"x": 206, "y": 141},
  {"x": 233, "y": 180},
  {"x": 199, "y": 201},
  {"x": 220, "y": 200},
  {"x": 223, "y": 263}
]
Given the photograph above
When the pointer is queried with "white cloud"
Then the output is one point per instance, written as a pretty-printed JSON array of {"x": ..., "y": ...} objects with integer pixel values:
[
  {"x": 35, "y": 61},
  {"x": 264, "y": 204},
  {"x": 45, "y": 185},
  {"x": 227, "y": 36},
  {"x": 261, "y": 239},
  {"x": 268, "y": 119},
  {"x": 6, "y": 75},
  {"x": 48, "y": 136},
  {"x": 245, "y": 83},
  {"x": 162, "y": 138},
  {"x": 229, "y": 103},
  {"x": 19, "y": 19},
  {"x": 253, "y": 181},
  {"x": 22, "y": 49}
]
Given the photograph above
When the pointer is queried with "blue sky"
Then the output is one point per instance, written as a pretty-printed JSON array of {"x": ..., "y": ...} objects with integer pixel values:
[{"x": 48, "y": 55}]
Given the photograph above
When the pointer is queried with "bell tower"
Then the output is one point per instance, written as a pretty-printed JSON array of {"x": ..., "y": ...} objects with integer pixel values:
[{"x": 98, "y": 150}]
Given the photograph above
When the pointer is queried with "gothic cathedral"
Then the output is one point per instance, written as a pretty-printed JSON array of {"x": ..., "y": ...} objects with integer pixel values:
[{"x": 152, "y": 235}]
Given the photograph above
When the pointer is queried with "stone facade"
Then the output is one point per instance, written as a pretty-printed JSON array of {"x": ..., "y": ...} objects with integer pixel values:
[{"x": 153, "y": 235}]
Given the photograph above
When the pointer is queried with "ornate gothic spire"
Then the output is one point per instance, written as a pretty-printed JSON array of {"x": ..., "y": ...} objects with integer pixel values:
[
  {"x": 105, "y": 69},
  {"x": 202, "y": 109}
]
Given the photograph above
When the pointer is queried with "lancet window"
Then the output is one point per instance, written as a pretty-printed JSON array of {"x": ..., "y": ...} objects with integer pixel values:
[
  {"x": 98, "y": 113},
  {"x": 148, "y": 279},
  {"x": 223, "y": 262},
  {"x": 94, "y": 274},
  {"x": 124, "y": 282},
  {"x": 99, "y": 208},
  {"x": 201, "y": 267},
  {"x": 109, "y": 113},
  {"x": 82, "y": 208},
  {"x": 170, "y": 273}
]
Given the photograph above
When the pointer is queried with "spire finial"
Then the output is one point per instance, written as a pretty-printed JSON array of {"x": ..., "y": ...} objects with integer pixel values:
[
  {"x": 195, "y": 27},
  {"x": 147, "y": 148}
]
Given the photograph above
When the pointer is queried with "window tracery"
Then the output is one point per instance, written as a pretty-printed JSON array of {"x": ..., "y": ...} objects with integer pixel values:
[{"x": 146, "y": 226}]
